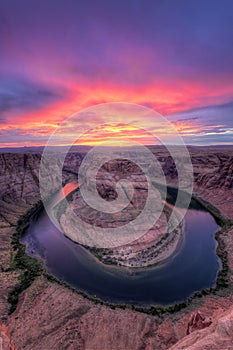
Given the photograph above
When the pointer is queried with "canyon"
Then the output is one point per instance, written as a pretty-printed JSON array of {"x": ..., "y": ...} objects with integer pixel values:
[{"x": 51, "y": 316}]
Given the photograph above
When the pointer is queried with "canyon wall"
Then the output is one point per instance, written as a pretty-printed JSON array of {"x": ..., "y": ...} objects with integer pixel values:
[{"x": 50, "y": 316}]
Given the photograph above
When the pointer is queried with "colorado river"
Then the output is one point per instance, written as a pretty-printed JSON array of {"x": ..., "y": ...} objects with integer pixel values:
[{"x": 194, "y": 266}]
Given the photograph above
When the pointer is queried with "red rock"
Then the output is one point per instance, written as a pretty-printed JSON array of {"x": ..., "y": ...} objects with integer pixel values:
[
  {"x": 6, "y": 342},
  {"x": 198, "y": 321}
]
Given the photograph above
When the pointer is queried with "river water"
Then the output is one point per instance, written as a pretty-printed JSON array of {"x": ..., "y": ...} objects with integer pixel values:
[{"x": 193, "y": 267}]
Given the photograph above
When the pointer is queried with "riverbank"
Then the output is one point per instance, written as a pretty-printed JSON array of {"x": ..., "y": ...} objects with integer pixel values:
[
  {"x": 153, "y": 247},
  {"x": 29, "y": 267},
  {"x": 135, "y": 256},
  {"x": 32, "y": 271},
  {"x": 50, "y": 315}
]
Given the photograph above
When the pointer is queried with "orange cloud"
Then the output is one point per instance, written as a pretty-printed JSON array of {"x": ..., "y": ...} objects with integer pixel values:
[{"x": 165, "y": 100}]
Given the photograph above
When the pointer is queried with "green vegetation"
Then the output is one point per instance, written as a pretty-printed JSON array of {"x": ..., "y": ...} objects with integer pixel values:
[
  {"x": 220, "y": 219},
  {"x": 29, "y": 268},
  {"x": 222, "y": 278},
  {"x": 225, "y": 223},
  {"x": 154, "y": 310}
]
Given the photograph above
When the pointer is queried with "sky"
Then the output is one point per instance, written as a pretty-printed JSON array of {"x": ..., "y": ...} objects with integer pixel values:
[{"x": 58, "y": 57}]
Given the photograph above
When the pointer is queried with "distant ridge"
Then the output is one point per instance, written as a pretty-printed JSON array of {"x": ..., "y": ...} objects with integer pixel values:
[
  {"x": 81, "y": 148},
  {"x": 41, "y": 148}
]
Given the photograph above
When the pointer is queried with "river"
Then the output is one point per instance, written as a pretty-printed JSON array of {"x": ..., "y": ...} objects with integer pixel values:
[{"x": 193, "y": 267}]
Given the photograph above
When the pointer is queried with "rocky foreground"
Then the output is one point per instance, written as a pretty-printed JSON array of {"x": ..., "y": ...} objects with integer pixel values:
[{"x": 50, "y": 316}]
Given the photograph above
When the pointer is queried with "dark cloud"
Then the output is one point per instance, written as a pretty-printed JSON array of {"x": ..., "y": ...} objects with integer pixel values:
[
  {"x": 19, "y": 96},
  {"x": 191, "y": 119},
  {"x": 18, "y": 136},
  {"x": 220, "y": 115},
  {"x": 219, "y": 106},
  {"x": 215, "y": 123},
  {"x": 209, "y": 139}
]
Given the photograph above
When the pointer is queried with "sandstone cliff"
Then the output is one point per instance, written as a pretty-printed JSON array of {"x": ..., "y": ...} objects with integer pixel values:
[
  {"x": 50, "y": 316},
  {"x": 6, "y": 342},
  {"x": 218, "y": 335}
]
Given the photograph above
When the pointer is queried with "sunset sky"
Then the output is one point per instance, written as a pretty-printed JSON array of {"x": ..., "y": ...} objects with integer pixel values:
[{"x": 60, "y": 56}]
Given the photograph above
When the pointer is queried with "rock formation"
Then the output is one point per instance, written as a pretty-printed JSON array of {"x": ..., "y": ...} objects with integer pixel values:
[
  {"x": 219, "y": 335},
  {"x": 6, "y": 342},
  {"x": 50, "y": 316},
  {"x": 198, "y": 321}
]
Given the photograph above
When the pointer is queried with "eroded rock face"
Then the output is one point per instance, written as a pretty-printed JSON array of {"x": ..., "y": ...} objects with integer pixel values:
[
  {"x": 219, "y": 335},
  {"x": 198, "y": 321},
  {"x": 54, "y": 317},
  {"x": 19, "y": 176},
  {"x": 6, "y": 342},
  {"x": 19, "y": 173},
  {"x": 219, "y": 175},
  {"x": 50, "y": 316},
  {"x": 18, "y": 192}
]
